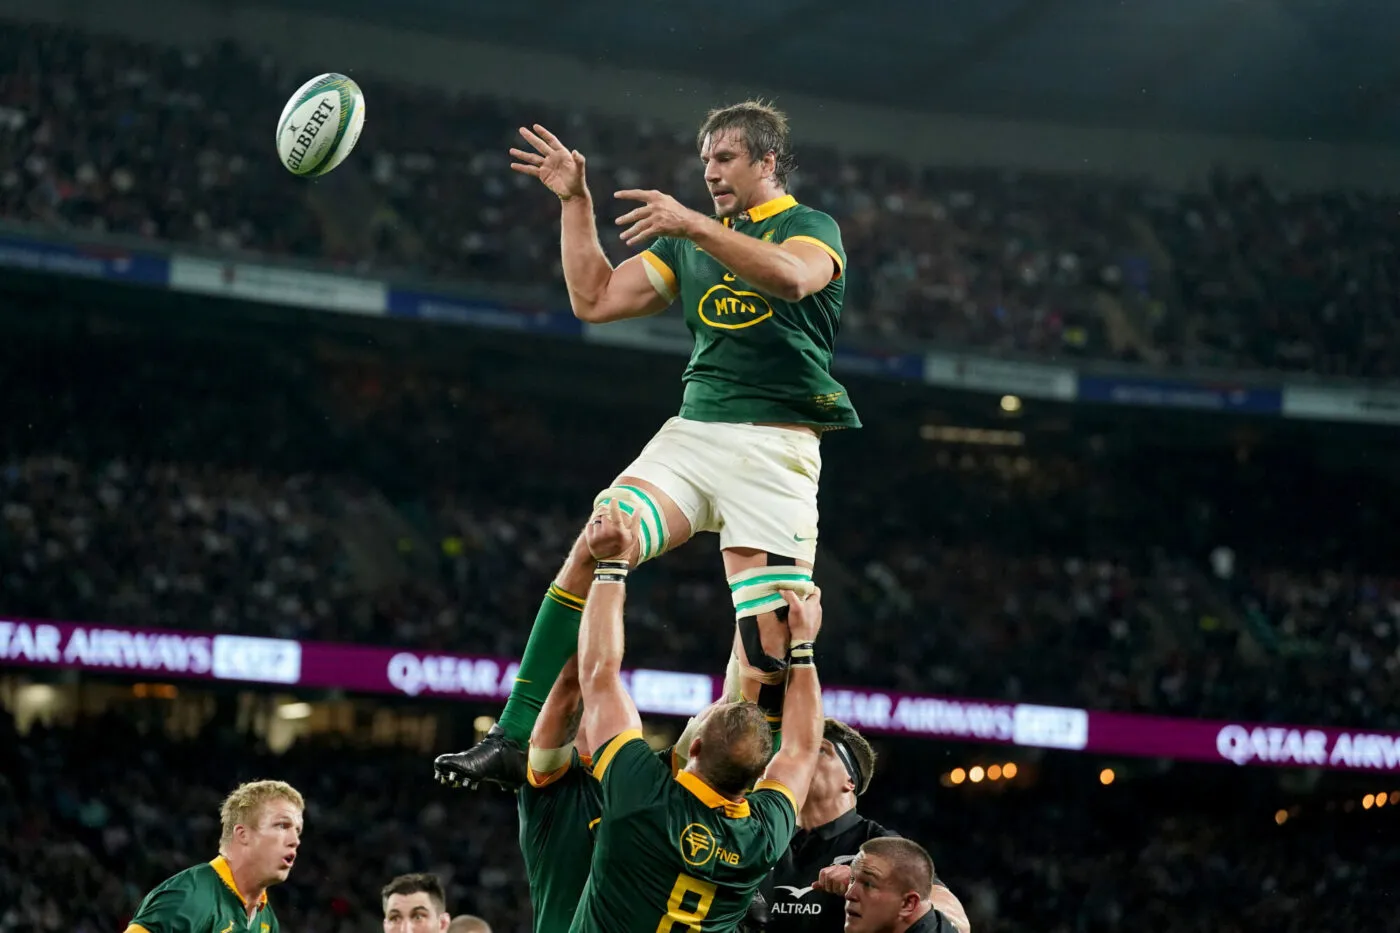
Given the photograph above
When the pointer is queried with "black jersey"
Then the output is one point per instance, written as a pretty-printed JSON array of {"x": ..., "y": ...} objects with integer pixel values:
[{"x": 793, "y": 906}]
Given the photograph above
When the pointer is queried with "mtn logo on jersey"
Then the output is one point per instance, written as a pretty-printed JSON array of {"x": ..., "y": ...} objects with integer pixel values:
[{"x": 729, "y": 309}]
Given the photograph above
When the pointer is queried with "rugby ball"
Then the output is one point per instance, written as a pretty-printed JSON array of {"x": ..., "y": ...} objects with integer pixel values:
[{"x": 320, "y": 124}]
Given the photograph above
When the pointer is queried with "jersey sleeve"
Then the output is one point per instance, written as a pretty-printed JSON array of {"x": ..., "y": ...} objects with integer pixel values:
[
  {"x": 820, "y": 230},
  {"x": 630, "y": 773},
  {"x": 662, "y": 261},
  {"x": 163, "y": 911},
  {"x": 775, "y": 808}
]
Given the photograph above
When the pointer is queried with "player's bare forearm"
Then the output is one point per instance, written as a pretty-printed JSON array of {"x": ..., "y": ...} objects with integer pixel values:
[
  {"x": 598, "y": 293},
  {"x": 946, "y": 903},
  {"x": 586, "y": 266},
  {"x": 787, "y": 273},
  {"x": 559, "y": 718},
  {"x": 608, "y": 710},
  {"x": 802, "y": 733}
]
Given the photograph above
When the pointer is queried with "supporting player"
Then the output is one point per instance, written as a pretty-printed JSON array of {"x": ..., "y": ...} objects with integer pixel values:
[
  {"x": 761, "y": 284},
  {"x": 262, "y": 823},
  {"x": 466, "y": 923},
  {"x": 415, "y": 903},
  {"x": 805, "y": 890},
  {"x": 560, "y": 807},
  {"x": 887, "y": 893},
  {"x": 686, "y": 850}
]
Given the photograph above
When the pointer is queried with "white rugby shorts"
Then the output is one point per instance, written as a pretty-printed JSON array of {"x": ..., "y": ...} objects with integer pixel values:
[{"x": 754, "y": 485}]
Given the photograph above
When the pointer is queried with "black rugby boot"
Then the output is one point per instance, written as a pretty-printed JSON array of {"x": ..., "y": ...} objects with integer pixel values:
[{"x": 496, "y": 759}]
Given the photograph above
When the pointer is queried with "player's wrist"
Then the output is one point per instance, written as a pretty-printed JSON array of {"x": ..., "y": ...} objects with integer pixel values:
[
  {"x": 611, "y": 570},
  {"x": 802, "y": 652}
]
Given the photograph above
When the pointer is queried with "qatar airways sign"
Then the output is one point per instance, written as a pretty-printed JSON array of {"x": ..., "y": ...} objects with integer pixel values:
[
  {"x": 1311, "y": 748},
  {"x": 371, "y": 669},
  {"x": 93, "y": 647}
]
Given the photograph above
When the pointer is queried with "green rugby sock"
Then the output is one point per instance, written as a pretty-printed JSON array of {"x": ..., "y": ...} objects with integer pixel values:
[{"x": 553, "y": 640}]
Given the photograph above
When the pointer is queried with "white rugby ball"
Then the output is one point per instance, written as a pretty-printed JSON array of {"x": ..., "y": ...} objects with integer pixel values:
[{"x": 320, "y": 124}]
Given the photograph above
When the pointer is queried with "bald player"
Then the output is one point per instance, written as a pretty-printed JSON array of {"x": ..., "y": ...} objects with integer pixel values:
[
  {"x": 468, "y": 924},
  {"x": 888, "y": 893}
]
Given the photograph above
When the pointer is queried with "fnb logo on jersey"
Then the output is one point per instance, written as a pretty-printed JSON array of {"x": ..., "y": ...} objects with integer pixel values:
[
  {"x": 728, "y": 309},
  {"x": 698, "y": 847}
]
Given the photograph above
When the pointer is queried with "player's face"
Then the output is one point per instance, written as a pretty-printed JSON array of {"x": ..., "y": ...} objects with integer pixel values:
[
  {"x": 830, "y": 780},
  {"x": 413, "y": 913},
  {"x": 273, "y": 844},
  {"x": 735, "y": 180},
  {"x": 874, "y": 902}
]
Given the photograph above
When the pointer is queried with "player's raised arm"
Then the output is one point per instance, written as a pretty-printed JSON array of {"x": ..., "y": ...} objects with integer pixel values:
[
  {"x": 557, "y": 731},
  {"x": 802, "y": 706},
  {"x": 790, "y": 271},
  {"x": 598, "y": 293},
  {"x": 608, "y": 710}
]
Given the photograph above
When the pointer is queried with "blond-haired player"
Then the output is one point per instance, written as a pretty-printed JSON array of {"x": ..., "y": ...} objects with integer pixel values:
[{"x": 262, "y": 823}]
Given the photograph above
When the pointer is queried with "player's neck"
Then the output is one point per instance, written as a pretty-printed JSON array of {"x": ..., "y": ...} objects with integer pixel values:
[
  {"x": 250, "y": 887},
  {"x": 820, "y": 812}
]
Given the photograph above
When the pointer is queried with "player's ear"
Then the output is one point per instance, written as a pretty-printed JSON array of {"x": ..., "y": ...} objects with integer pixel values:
[
  {"x": 693, "y": 752},
  {"x": 444, "y": 921},
  {"x": 912, "y": 900}
]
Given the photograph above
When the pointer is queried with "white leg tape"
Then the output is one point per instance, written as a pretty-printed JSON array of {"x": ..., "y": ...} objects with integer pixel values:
[
  {"x": 651, "y": 521},
  {"x": 759, "y": 589}
]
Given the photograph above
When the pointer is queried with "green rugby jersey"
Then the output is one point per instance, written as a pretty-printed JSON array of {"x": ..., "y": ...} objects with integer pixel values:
[
  {"x": 559, "y": 813},
  {"x": 671, "y": 854},
  {"x": 757, "y": 358},
  {"x": 202, "y": 899}
]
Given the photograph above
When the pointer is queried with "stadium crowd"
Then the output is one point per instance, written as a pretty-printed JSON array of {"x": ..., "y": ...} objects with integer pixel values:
[
  {"x": 346, "y": 501},
  {"x": 1230, "y": 276},
  {"x": 85, "y": 840}
]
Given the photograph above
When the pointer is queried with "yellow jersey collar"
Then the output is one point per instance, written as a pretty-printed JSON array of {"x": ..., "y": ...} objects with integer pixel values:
[
  {"x": 225, "y": 873},
  {"x": 769, "y": 208},
  {"x": 711, "y": 797}
]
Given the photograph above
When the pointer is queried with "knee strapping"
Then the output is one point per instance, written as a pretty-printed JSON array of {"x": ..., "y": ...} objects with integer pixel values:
[
  {"x": 754, "y": 592},
  {"x": 651, "y": 521}
]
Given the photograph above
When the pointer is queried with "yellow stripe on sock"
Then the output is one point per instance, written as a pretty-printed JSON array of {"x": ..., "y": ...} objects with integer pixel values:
[{"x": 564, "y": 597}]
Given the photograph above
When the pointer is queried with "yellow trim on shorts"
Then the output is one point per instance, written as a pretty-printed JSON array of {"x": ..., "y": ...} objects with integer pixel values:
[
  {"x": 137, "y": 928},
  {"x": 835, "y": 256},
  {"x": 600, "y": 763},
  {"x": 781, "y": 788},
  {"x": 668, "y": 276}
]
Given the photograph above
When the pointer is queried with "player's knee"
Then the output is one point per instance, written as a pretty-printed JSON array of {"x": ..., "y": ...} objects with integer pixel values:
[
  {"x": 652, "y": 532},
  {"x": 755, "y": 592}
]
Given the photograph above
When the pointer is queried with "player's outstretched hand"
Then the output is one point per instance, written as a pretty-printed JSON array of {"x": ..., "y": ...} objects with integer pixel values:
[
  {"x": 610, "y": 534},
  {"x": 659, "y": 215},
  {"x": 834, "y": 879},
  {"x": 804, "y": 614},
  {"x": 559, "y": 168}
]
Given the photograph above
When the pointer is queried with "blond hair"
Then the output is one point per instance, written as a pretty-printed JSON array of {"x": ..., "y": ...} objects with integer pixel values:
[{"x": 244, "y": 806}]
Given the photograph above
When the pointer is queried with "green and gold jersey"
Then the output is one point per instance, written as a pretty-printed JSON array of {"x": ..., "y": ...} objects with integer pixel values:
[
  {"x": 202, "y": 899},
  {"x": 559, "y": 813},
  {"x": 758, "y": 358},
  {"x": 670, "y": 854}
]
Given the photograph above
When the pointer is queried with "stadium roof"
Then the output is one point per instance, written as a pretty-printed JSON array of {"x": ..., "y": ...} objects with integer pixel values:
[{"x": 1321, "y": 69}]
